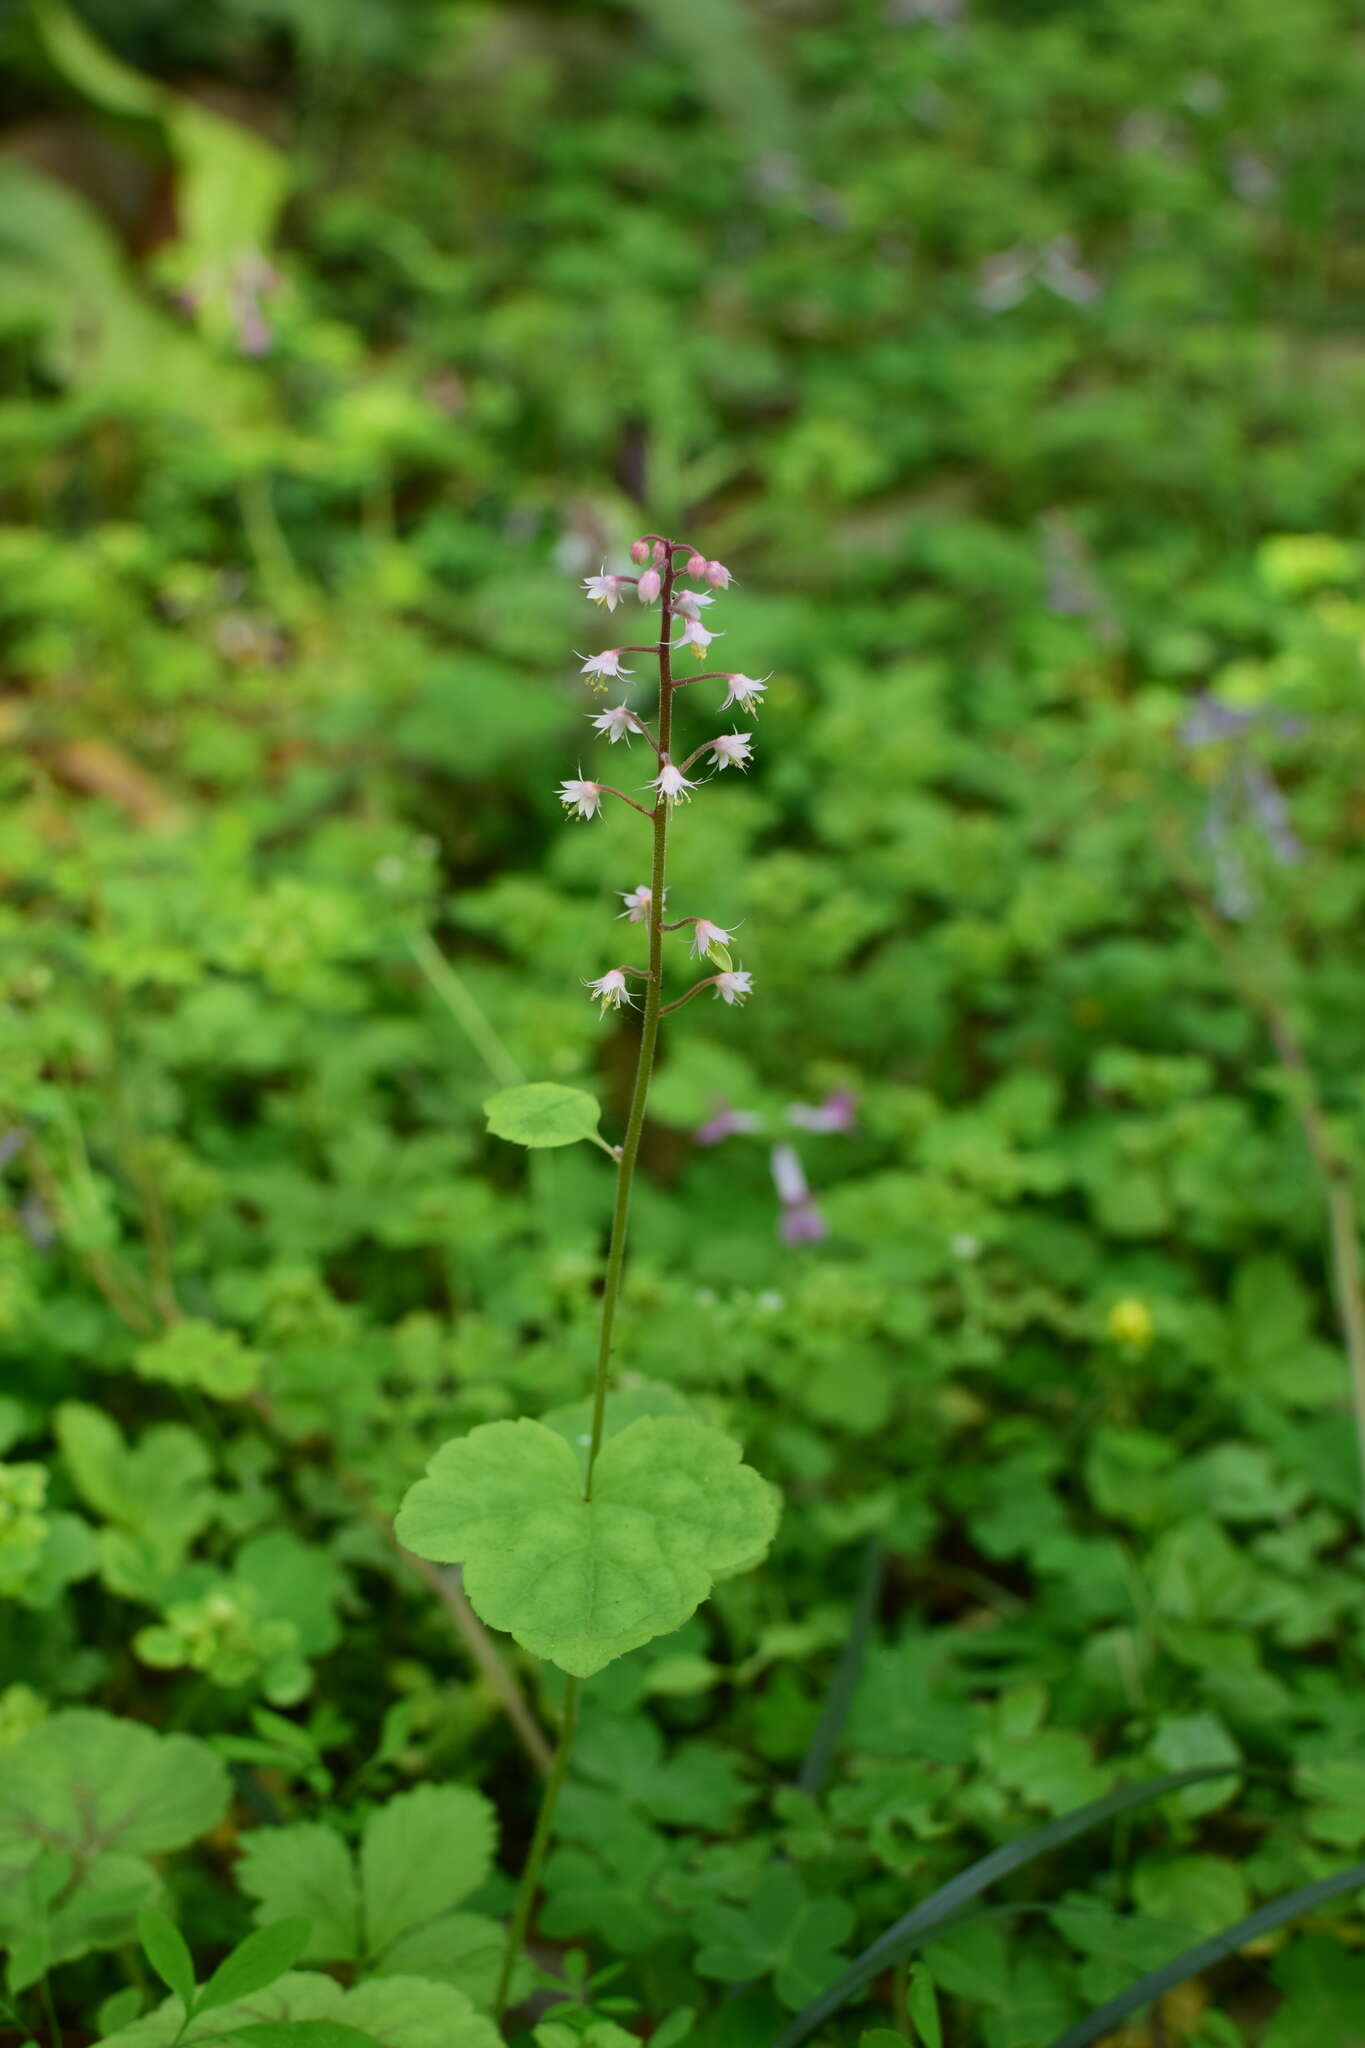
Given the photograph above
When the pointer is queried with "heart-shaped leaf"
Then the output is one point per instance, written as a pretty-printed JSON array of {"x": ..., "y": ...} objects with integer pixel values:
[
  {"x": 577, "y": 1581},
  {"x": 542, "y": 1113}
]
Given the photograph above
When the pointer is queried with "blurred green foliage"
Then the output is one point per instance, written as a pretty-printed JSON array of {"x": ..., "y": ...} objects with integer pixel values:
[{"x": 1009, "y": 353}]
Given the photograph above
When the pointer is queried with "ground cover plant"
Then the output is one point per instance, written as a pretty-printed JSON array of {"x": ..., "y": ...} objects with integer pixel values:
[{"x": 1008, "y": 1234}]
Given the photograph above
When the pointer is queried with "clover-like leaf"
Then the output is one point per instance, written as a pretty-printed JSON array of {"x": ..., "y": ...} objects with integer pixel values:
[
  {"x": 397, "y": 2012},
  {"x": 542, "y": 1113},
  {"x": 93, "y": 1797},
  {"x": 578, "y": 1581}
]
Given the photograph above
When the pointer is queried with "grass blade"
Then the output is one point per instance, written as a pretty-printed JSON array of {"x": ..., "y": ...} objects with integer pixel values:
[
  {"x": 824, "y": 1742},
  {"x": 1206, "y": 1953},
  {"x": 932, "y": 1913}
]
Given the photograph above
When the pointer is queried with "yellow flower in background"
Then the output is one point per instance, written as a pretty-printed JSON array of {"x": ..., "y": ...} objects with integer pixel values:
[{"x": 1130, "y": 1322}]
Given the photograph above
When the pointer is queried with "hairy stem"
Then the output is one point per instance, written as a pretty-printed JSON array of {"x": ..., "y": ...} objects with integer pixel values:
[{"x": 611, "y": 1289}]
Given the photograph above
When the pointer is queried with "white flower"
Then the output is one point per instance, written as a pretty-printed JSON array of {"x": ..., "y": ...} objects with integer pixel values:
[
  {"x": 610, "y": 989},
  {"x": 671, "y": 784},
  {"x": 705, "y": 935},
  {"x": 616, "y": 724},
  {"x": 734, "y": 986},
  {"x": 639, "y": 902},
  {"x": 730, "y": 749},
  {"x": 744, "y": 690},
  {"x": 604, "y": 589},
  {"x": 789, "y": 1176},
  {"x": 689, "y": 604},
  {"x": 581, "y": 799},
  {"x": 597, "y": 667},
  {"x": 695, "y": 636}
]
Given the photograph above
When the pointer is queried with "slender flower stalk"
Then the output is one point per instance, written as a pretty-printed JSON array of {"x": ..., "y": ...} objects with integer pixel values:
[{"x": 645, "y": 905}]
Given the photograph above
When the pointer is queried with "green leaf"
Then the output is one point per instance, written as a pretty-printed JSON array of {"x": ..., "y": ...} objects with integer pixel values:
[
  {"x": 422, "y": 1854},
  {"x": 1206, "y": 1953},
  {"x": 398, "y": 2012},
  {"x": 90, "y": 1797},
  {"x": 542, "y": 1113},
  {"x": 943, "y": 1905},
  {"x": 305, "y": 1870},
  {"x": 302, "y": 2034},
  {"x": 255, "y": 1963},
  {"x": 582, "y": 1582},
  {"x": 204, "y": 1355},
  {"x": 779, "y": 1930},
  {"x": 924, "y": 2007},
  {"x": 168, "y": 1953}
]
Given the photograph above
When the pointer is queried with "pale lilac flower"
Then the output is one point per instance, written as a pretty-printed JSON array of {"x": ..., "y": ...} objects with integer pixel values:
[
  {"x": 725, "y": 1122},
  {"x": 695, "y": 636},
  {"x": 616, "y": 724},
  {"x": 604, "y": 589},
  {"x": 690, "y": 604},
  {"x": 639, "y": 551},
  {"x": 717, "y": 575},
  {"x": 649, "y": 586},
  {"x": 598, "y": 667},
  {"x": 705, "y": 935},
  {"x": 672, "y": 785},
  {"x": 696, "y": 564},
  {"x": 639, "y": 902},
  {"x": 731, "y": 749},
  {"x": 744, "y": 690},
  {"x": 610, "y": 989},
  {"x": 800, "y": 1221},
  {"x": 836, "y": 1113},
  {"x": 581, "y": 799},
  {"x": 734, "y": 986}
]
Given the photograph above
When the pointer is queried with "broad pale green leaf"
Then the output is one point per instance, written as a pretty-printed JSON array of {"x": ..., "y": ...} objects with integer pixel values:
[
  {"x": 581, "y": 1582},
  {"x": 541, "y": 1114},
  {"x": 302, "y": 2034},
  {"x": 397, "y": 2012},
  {"x": 256, "y": 1962},
  {"x": 167, "y": 1953},
  {"x": 204, "y": 1355},
  {"x": 98, "y": 1795},
  {"x": 307, "y": 1871},
  {"x": 422, "y": 1854}
]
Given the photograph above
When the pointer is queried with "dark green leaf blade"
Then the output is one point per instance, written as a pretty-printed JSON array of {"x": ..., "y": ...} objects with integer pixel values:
[
  {"x": 256, "y": 1962},
  {"x": 1205, "y": 1954},
  {"x": 931, "y": 1913}
]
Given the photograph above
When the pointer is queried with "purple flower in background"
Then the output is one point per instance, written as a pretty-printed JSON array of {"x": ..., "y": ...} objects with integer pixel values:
[
  {"x": 838, "y": 1112},
  {"x": 725, "y": 1121},
  {"x": 1245, "y": 795},
  {"x": 800, "y": 1221}
]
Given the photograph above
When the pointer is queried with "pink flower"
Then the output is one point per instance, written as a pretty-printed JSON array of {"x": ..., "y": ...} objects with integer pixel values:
[
  {"x": 672, "y": 785},
  {"x": 598, "y": 667},
  {"x": 649, "y": 586},
  {"x": 689, "y": 604},
  {"x": 581, "y": 799},
  {"x": 705, "y": 935},
  {"x": 616, "y": 724},
  {"x": 725, "y": 1122},
  {"x": 838, "y": 1112},
  {"x": 639, "y": 902},
  {"x": 730, "y": 749},
  {"x": 800, "y": 1221},
  {"x": 660, "y": 552},
  {"x": 744, "y": 690},
  {"x": 717, "y": 575},
  {"x": 604, "y": 589},
  {"x": 696, "y": 565},
  {"x": 734, "y": 986},
  {"x": 695, "y": 636},
  {"x": 639, "y": 551},
  {"x": 610, "y": 989}
]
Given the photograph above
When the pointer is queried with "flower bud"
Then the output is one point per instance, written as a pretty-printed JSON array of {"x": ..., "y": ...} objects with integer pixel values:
[
  {"x": 639, "y": 551},
  {"x": 649, "y": 586},
  {"x": 696, "y": 564},
  {"x": 660, "y": 552},
  {"x": 717, "y": 575}
]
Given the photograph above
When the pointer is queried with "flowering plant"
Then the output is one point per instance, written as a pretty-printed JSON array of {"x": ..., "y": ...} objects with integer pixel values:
[{"x": 586, "y": 1544}]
